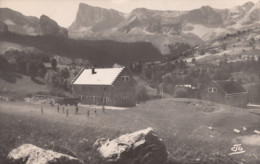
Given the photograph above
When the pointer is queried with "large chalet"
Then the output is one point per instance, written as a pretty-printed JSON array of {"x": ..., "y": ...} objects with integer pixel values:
[{"x": 105, "y": 86}]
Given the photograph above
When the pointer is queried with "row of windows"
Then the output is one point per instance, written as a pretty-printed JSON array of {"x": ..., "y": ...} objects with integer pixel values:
[
  {"x": 94, "y": 98},
  {"x": 98, "y": 98},
  {"x": 125, "y": 78},
  {"x": 124, "y": 98},
  {"x": 90, "y": 88},
  {"x": 212, "y": 89}
]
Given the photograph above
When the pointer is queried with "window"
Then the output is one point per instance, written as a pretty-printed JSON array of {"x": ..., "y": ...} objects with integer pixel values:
[
  {"x": 105, "y": 100},
  {"x": 125, "y": 78},
  {"x": 81, "y": 97},
  {"x": 124, "y": 98},
  {"x": 212, "y": 89},
  {"x": 84, "y": 88}
]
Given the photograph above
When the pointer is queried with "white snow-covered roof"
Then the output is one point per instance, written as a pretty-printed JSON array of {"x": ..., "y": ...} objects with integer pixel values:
[{"x": 103, "y": 76}]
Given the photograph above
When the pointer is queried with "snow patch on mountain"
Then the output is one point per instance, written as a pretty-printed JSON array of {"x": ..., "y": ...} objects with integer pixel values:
[
  {"x": 9, "y": 22},
  {"x": 205, "y": 33}
]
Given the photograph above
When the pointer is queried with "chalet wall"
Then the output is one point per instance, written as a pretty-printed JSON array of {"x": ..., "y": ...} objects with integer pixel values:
[
  {"x": 237, "y": 100},
  {"x": 93, "y": 94},
  {"x": 121, "y": 93},
  {"x": 124, "y": 92},
  {"x": 218, "y": 96}
]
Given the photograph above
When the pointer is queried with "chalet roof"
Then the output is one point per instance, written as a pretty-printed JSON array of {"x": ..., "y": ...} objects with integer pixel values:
[
  {"x": 102, "y": 76},
  {"x": 231, "y": 86}
]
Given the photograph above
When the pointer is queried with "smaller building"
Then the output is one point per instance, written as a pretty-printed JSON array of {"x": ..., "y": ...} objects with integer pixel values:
[{"x": 228, "y": 92}]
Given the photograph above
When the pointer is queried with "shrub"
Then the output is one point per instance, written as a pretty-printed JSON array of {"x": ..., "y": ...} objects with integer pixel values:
[
  {"x": 181, "y": 92},
  {"x": 142, "y": 94}
]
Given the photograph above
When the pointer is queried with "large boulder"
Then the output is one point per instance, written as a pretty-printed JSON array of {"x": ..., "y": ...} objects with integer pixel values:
[
  {"x": 30, "y": 154},
  {"x": 141, "y": 147}
]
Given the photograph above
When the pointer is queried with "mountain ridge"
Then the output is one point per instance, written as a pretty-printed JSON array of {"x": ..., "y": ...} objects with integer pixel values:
[
  {"x": 159, "y": 27},
  {"x": 143, "y": 24},
  {"x": 30, "y": 25}
]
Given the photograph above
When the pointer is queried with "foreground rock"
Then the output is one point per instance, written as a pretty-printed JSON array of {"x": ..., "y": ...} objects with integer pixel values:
[
  {"x": 141, "y": 147},
  {"x": 30, "y": 154}
]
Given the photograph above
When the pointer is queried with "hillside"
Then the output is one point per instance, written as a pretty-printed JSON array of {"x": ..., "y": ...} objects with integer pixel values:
[
  {"x": 18, "y": 86},
  {"x": 182, "y": 124},
  {"x": 100, "y": 53},
  {"x": 28, "y": 25}
]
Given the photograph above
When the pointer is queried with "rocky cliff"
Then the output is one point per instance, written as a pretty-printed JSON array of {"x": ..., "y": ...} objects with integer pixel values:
[{"x": 50, "y": 27}]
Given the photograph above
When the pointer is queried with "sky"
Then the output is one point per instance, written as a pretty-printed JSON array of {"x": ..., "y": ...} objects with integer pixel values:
[{"x": 64, "y": 11}]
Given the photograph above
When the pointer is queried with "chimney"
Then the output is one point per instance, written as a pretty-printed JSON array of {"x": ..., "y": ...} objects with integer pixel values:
[{"x": 93, "y": 70}]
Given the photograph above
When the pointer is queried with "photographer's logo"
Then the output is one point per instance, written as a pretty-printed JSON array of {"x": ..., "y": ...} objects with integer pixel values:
[{"x": 237, "y": 149}]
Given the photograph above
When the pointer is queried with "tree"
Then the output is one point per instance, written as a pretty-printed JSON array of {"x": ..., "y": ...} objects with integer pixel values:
[
  {"x": 41, "y": 70},
  {"x": 224, "y": 46},
  {"x": 65, "y": 73},
  {"x": 142, "y": 94},
  {"x": 54, "y": 63},
  {"x": 181, "y": 93},
  {"x": 32, "y": 69},
  {"x": 193, "y": 60},
  {"x": 3, "y": 64}
]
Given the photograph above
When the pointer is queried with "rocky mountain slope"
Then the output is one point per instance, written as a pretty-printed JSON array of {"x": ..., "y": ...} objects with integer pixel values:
[
  {"x": 50, "y": 27},
  {"x": 19, "y": 23},
  {"x": 162, "y": 27},
  {"x": 3, "y": 27},
  {"x": 28, "y": 25},
  {"x": 91, "y": 20}
]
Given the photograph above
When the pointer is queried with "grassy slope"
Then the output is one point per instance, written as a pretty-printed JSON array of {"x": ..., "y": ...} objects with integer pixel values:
[
  {"x": 181, "y": 123},
  {"x": 150, "y": 91},
  {"x": 20, "y": 85}
]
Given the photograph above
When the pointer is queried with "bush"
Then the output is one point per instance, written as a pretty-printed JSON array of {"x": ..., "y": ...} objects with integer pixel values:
[
  {"x": 181, "y": 93},
  {"x": 142, "y": 94},
  {"x": 65, "y": 73}
]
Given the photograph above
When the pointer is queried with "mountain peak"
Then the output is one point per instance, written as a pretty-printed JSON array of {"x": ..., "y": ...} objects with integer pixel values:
[
  {"x": 247, "y": 4},
  {"x": 205, "y": 15},
  {"x": 207, "y": 7},
  {"x": 96, "y": 18},
  {"x": 50, "y": 27}
]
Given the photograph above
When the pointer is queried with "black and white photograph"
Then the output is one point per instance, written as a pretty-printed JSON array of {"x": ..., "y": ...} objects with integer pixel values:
[{"x": 129, "y": 82}]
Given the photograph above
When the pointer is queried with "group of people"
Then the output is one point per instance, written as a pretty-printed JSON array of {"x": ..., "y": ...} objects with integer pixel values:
[{"x": 77, "y": 110}]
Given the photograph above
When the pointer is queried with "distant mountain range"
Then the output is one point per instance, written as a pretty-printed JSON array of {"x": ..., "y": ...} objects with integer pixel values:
[
  {"x": 28, "y": 25},
  {"x": 161, "y": 28}
]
